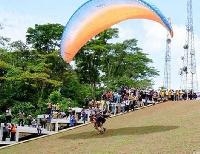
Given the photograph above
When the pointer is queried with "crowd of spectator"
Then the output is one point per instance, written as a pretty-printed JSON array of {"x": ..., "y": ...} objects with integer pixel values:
[
  {"x": 124, "y": 99},
  {"x": 9, "y": 129}
]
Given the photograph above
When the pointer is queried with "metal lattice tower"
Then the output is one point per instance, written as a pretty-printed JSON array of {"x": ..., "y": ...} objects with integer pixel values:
[
  {"x": 189, "y": 81},
  {"x": 167, "y": 69}
]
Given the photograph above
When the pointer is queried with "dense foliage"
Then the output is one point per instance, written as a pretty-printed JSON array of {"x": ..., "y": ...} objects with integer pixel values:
[{"x": 31, "y": 73}]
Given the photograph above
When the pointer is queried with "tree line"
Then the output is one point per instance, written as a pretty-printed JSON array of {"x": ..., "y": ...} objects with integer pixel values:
[{"x": 33, "y": 72}]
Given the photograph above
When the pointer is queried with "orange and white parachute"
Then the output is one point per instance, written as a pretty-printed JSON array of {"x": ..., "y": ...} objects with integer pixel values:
[{"x": 95, "y": 16}]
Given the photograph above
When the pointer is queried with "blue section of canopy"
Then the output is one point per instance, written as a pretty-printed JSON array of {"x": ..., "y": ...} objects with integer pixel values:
[{"x": 159, "y": 13}]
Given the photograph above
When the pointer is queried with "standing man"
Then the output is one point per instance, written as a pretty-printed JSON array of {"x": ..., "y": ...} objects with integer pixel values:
[
  {"x": 43, "y": 122},
  {"x": 170, "y": 95},
  {"x": 30, "y": 119},
  {"x": 8, "y": 115},
  {"x": 57, "y": 107},
  {"x": 21, "y": 118},
  {"x": 177, "y": 95},
  {"x": 49, "y": 107},
  {"x": 104, "y": 94},
  {"x": 49, "y": 122},
  {"x": 72, "y": 119},
  {"x": 39, "y": 129},
  {"x": 13, "y": 131},
  {"x": 86, "y": 102},
  {"x": 5, "y": 131},
  {"x": 83, "y": 115}
]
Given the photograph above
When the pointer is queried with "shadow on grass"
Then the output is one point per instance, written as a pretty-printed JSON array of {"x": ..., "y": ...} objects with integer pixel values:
[{"x": 120, "y": 132}]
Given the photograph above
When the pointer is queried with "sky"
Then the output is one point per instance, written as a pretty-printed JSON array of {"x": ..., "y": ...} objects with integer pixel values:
[{"x": 18, "y": 15}]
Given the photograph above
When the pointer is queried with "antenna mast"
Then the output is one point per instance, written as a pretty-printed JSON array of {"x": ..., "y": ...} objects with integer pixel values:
[
  {"x": 189, "y": 81},
  {"x": 167, "y": 69}
]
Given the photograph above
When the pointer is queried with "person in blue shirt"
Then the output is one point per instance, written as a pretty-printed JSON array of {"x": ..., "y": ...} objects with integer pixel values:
[
  {"x": 49, "y": 118},
  {"x": 83, "y": 115},
  {"x": 5, "y": 131},
  {"x": 72, "y": 120}
]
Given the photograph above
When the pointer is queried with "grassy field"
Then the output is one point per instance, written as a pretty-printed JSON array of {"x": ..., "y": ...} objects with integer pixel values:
[{"x": 172, "y": 127}]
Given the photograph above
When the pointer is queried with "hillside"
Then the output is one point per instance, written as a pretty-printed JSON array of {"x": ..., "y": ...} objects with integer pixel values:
[{"x": 172, "y": 127}]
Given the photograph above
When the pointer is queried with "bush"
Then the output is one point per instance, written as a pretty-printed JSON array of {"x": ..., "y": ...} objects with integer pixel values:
[
  {"x": 55, "y": 97},
  {"x": 25, "y": 107},
  {"x": 66, "y": 103}
]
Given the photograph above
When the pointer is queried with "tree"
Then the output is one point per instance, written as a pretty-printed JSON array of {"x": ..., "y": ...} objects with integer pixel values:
[
  {"x": 28, "y": 77},
  {"x": 89, "y": 59},
  {"x": 18, "y": 45},
  {"x": 56, "y": 66},
  {"x": 3, "y": 68},
  {"x": 73, "y": 89},
  {"x": 45, "y": 38},
  {"x": 102, "y": 63},
  {"x": 126, "y": 60}
]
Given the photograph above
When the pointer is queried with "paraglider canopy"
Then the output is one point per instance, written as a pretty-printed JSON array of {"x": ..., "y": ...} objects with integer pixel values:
[{"x": 95, "y": 16}]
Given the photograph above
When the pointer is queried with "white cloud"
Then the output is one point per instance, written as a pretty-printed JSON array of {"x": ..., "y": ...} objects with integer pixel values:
[
  {"x": 154, "y": 36},
  {"x": 16, "y": 25},
  {"x": 152, "y": 39},
  {"x": 124, "y": 32}
]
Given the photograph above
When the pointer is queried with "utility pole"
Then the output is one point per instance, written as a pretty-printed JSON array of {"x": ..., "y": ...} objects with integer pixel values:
[
  {"x": 189, "y": 81},
  {"x": 167, "y": 69}
]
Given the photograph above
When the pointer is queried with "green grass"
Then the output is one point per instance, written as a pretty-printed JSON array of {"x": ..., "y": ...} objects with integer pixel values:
[{"x": 171, "y": 127}]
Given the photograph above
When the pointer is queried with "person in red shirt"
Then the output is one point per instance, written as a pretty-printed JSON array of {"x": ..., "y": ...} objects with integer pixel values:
[{"x": 13, "y": 131}]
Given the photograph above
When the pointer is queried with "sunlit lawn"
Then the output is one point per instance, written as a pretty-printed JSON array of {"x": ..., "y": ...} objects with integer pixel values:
[{"x": 172, "y": 127}]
